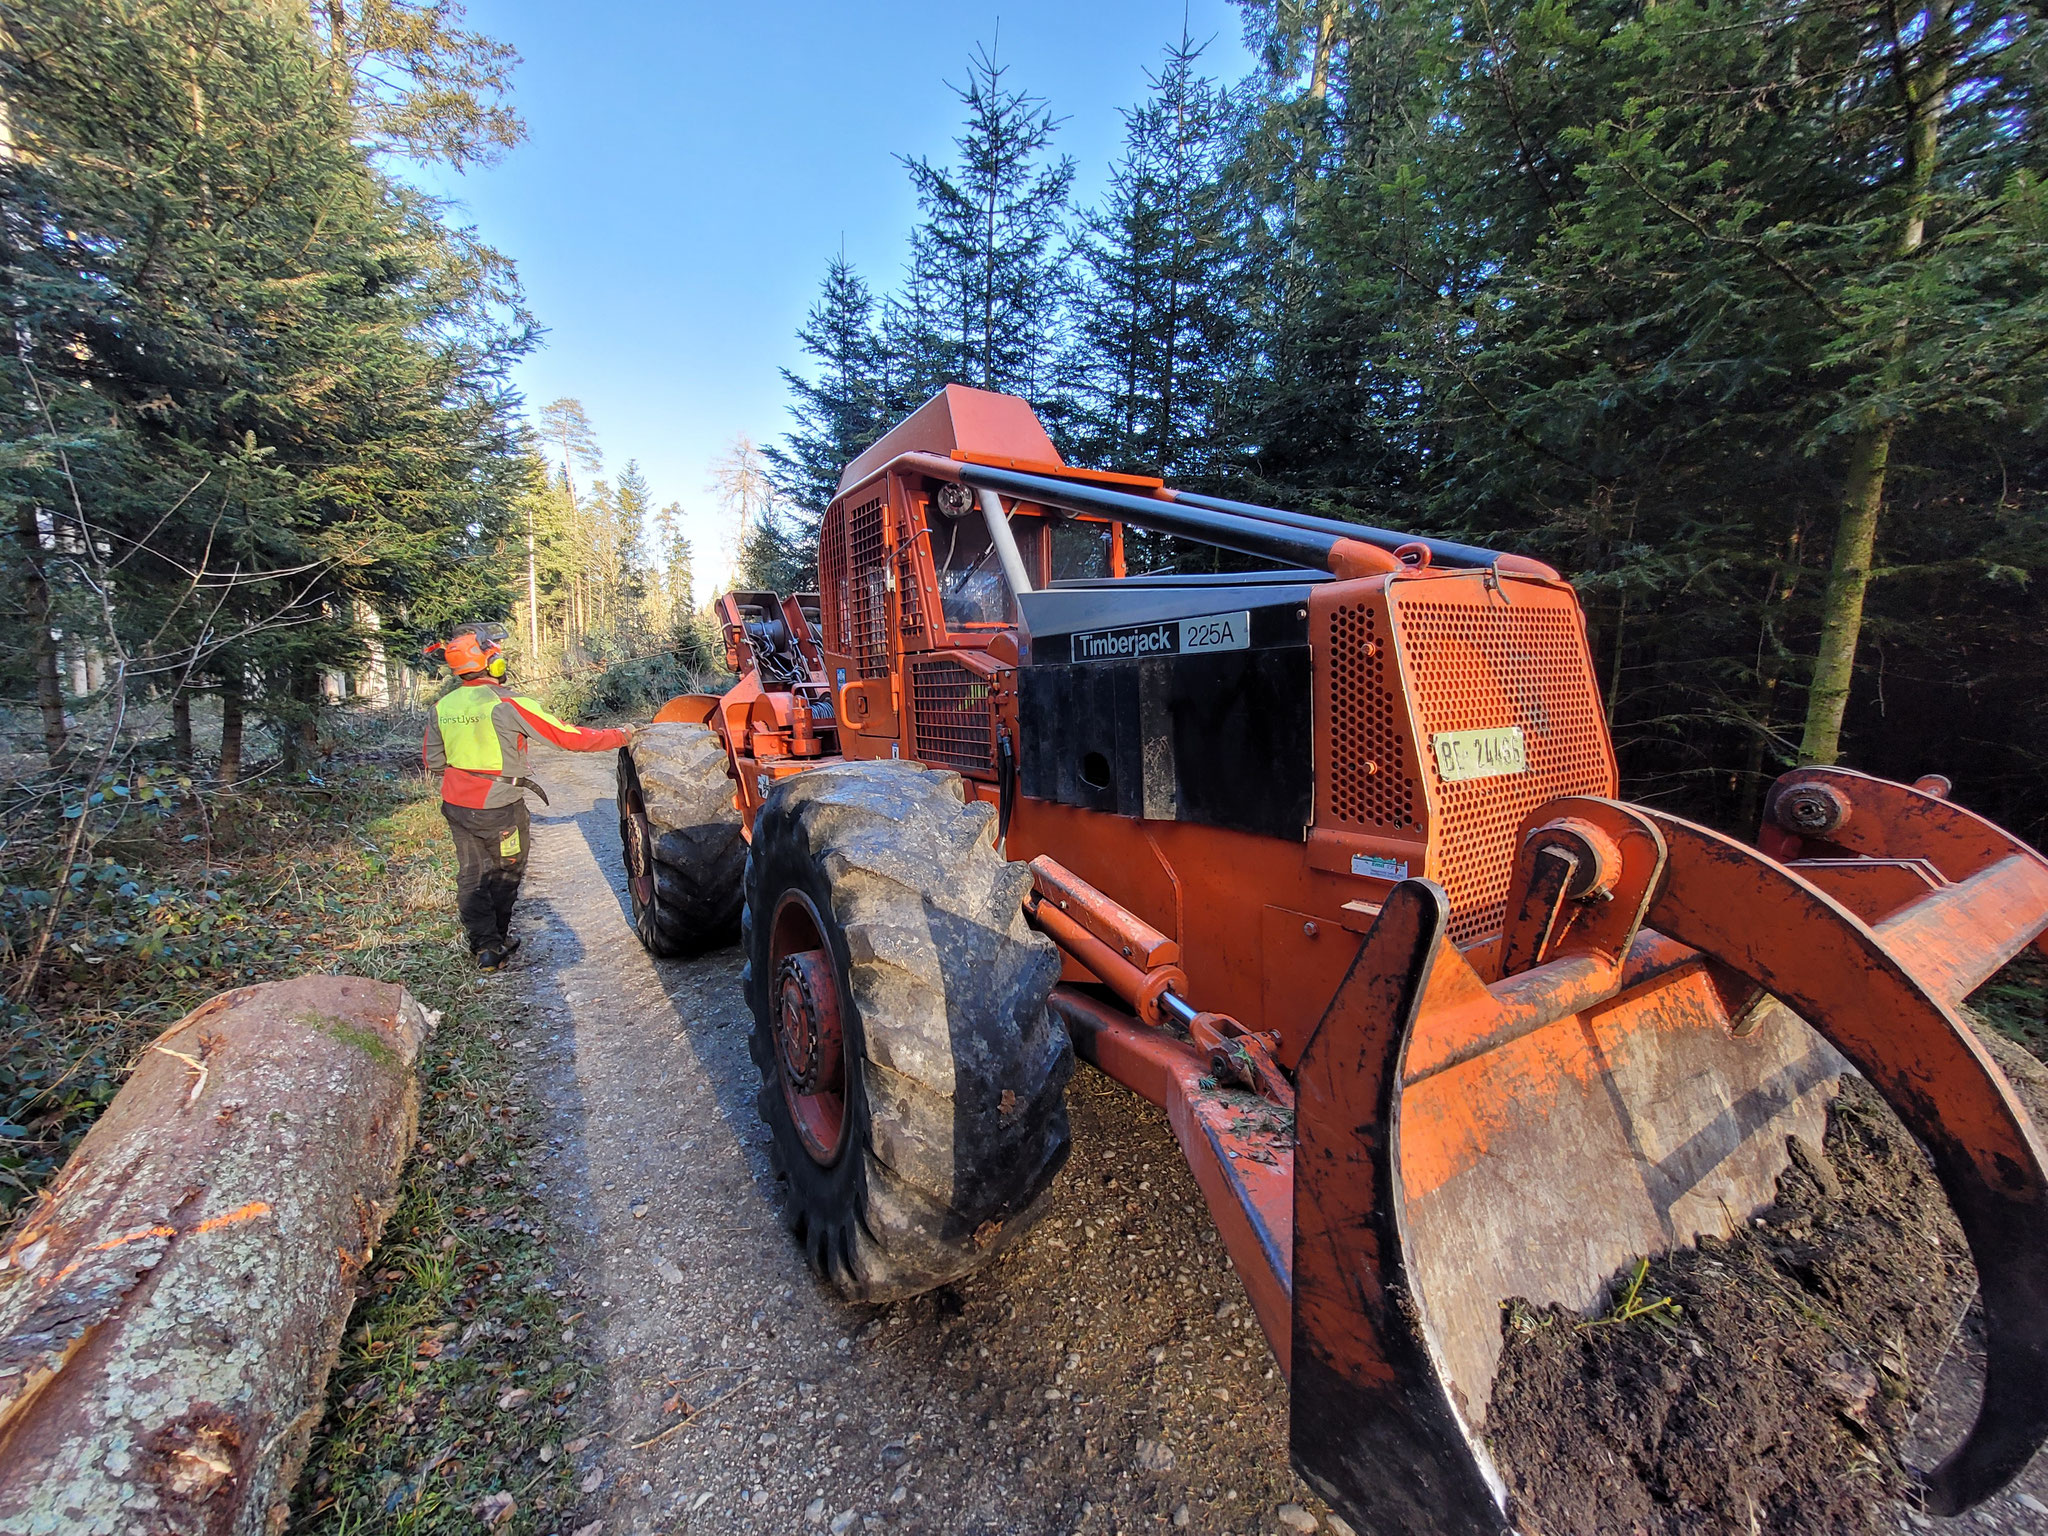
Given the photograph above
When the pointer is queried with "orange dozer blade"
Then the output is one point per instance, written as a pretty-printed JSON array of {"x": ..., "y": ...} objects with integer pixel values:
[{"x": 1676, "y": 1005}]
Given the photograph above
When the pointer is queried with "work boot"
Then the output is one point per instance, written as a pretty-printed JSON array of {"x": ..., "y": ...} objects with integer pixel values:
[
  {"x": 490, "y": 959},
  {"x": 508, "y": 946}
]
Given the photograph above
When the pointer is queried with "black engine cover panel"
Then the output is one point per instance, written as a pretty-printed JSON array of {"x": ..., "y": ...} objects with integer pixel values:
[{"x": 1221, "y": 738}]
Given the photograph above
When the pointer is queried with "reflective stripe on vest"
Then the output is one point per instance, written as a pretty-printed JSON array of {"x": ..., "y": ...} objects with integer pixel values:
[{"x": 468, "y": 734}]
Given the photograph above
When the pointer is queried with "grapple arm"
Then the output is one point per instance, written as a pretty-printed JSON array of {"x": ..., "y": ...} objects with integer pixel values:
[{"x": 1885, "y": 995}]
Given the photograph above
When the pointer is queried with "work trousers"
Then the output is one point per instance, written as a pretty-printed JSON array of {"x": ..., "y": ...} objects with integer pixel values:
[{"x": 490, "y": 861}]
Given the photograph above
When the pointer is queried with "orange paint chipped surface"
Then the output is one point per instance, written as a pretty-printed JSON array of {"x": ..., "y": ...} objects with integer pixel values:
[
  {"x": 1451, "y": 1120},
  {"x": 248, "y": 1212},
  {"x": 113, "y": 1242}
]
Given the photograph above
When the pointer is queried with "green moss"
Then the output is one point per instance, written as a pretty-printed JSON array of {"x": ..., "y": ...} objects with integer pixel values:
[{"x": 368, "y": 1041}]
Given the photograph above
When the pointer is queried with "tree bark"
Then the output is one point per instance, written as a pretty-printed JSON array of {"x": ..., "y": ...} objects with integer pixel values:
[
  {"x": 170, "y": 1311},
  {"x": 1325, "y": 44},
  {"x": 1834, "y": 664},
  {"x": 230, "y": 730},
  {"x": 1841, "y": 624},
  {"x": 181, "y": 727},
  {"x": 49, "y": 681}
]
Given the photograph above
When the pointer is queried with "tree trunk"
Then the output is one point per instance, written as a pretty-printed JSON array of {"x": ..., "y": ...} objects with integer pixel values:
[
  {"x": 532, "y": 596},
  {"x": 36, "y": 594},
  {"x": 230, "y": 730},
  {"x": 1326, "y": 39},
  {"x": 1834, "y": 666},
  {"x": 181, "y": 727},
  {"x": 1841, "y": 625},
  {"x": 170, "y": 1312},
  {"x": 305, "y": 727}
]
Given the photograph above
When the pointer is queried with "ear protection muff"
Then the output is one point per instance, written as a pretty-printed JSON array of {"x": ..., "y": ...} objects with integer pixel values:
[{"x": 468, "y": 653}]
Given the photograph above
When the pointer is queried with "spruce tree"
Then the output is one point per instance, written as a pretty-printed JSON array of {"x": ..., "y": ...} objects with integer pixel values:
[
  {"x": 841, "y": 410},
  {"x": 987, "y": 283},
  {"x": 1153, "y": 325},
  {"x": 675, "y": 567},
  {"x": 241, "y": 352}
]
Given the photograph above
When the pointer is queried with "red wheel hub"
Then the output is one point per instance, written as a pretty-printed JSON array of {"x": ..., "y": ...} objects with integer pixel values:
[
  {"x": 639, "y": 842},
  {"x": 810, "y": 1044}
]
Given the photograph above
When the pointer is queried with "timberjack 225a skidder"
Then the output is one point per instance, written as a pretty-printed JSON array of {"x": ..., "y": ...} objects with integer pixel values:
[{"x": 1326, "y": 860}]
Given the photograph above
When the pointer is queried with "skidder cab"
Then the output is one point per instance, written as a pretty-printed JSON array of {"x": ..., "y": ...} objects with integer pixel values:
[{"x": 1326, "y": 860}]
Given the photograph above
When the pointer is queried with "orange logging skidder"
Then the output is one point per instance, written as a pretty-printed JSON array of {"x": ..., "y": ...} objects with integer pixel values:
[{"x": 1326, "y": 860}]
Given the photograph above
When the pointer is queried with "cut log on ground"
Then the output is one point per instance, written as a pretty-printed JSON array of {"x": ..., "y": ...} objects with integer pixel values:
[{"x": 170, "y": 1310}]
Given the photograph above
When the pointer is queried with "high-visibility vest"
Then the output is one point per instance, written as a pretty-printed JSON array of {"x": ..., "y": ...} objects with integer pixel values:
[
  {"x": 469, "y": 735},
  {"x": 478, "y": 726}
]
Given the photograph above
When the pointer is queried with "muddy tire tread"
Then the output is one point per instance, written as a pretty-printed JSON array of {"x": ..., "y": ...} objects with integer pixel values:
[
  {"x": 949, "y": 986},
  {"x": 699, "y": 851}
]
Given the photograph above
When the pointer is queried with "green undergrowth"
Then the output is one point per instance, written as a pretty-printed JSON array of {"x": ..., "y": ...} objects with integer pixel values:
[
  {"x": 2015, "y": 1002},
  {"x": 180, "y": 896},
  {"x": 458, "y": 1401}
]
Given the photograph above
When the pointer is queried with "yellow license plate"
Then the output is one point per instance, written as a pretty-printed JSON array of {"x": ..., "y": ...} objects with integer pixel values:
[{"x": 1462, "y": 755}]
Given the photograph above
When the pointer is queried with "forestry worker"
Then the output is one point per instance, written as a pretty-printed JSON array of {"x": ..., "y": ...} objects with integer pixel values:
[{"x": 476, "y": 740}]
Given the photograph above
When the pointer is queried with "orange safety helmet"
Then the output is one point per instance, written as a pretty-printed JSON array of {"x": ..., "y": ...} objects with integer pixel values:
[{"x": 472, "y": 649}]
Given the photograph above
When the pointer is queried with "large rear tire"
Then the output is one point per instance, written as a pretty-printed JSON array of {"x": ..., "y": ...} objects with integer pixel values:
[
  {"x": 911, "y": 1073},
  {"x": 685, "y": 855}
]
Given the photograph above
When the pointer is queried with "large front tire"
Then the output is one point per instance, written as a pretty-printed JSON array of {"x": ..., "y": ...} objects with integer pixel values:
[
  {"x": 685, "y": 853},
  {"x": 911, "y": 1073}
]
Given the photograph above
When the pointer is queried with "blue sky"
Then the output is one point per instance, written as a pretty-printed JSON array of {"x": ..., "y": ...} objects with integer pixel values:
[{"x": 690, "y": 168}]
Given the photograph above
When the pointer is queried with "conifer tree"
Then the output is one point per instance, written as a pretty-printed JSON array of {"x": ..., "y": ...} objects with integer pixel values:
[
  {"x": 418, "y": 83},
  {"x": 1338, "y": 256},
  {"x": 840, "y": 411},
  {"x": 675, "y": 564},
  {"x": 1153, "y": 319},
  {"x": 565, "y": 427},
  {"x": 985, "y": 261},
  {"x": 261, "y": 376}
]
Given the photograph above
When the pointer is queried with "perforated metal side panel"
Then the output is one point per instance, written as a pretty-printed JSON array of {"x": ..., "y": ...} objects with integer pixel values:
[
  {"x": 1369, "y": 786},
  {"x": 952, "y": 716},
  {"x": 1476, "y": 659},
  {"x": 864, "y": 590},
  {"x": 835, "y": 630}
]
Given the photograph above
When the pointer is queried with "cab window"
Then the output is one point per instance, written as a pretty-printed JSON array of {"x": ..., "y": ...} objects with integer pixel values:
[
  {"x": 972, "y": 590},
  {"x": 1077, "y": 551}
]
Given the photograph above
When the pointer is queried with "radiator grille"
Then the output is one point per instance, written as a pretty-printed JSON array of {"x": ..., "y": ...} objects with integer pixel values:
[
  {"x": 1369, "y": 784},
  {"x": 1479, "y": 666},
  {"x": 952, "y": 716},
  {"x": 864, "y": 591}
]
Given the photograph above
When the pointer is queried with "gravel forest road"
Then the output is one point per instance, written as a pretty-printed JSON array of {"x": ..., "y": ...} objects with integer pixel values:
[{"x": 1105, "y": 1376}]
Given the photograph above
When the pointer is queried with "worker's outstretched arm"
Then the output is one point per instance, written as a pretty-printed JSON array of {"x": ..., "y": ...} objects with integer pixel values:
[
  {"x": 433, "y": 752},
  {"x": 573, "y": 738}
]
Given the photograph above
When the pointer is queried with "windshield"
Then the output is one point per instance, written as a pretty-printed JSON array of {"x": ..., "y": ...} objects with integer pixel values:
[{"x": 971, "y": 586}]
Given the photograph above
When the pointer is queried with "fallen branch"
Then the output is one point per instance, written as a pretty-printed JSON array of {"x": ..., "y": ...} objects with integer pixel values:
[{"x": 695, "y": 1414}]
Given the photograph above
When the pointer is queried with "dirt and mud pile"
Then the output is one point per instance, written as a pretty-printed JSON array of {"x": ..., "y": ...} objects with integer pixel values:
[{"x": 1774, "y": 1390}]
